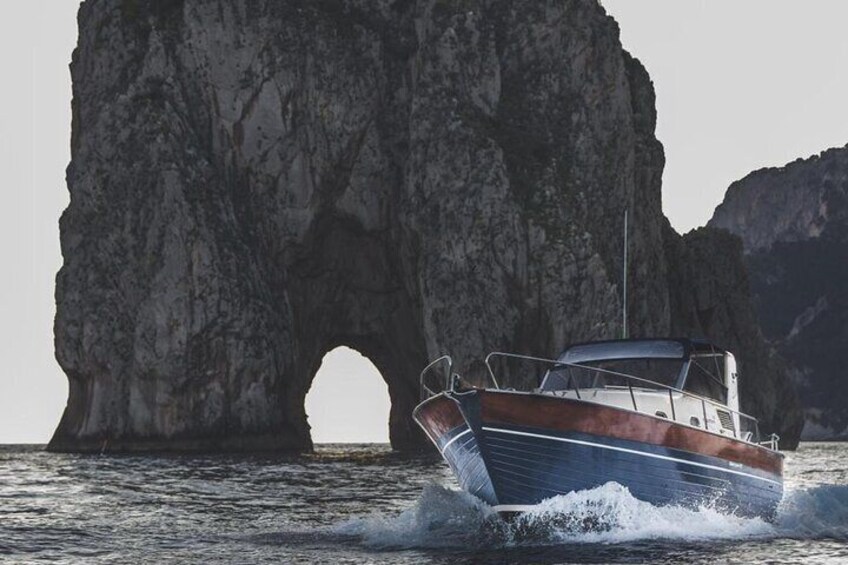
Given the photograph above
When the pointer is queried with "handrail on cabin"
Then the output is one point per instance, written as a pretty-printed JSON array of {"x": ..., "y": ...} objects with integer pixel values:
[{"x": 737, "y": 433}]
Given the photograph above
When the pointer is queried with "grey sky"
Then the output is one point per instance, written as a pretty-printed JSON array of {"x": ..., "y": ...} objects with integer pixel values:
[
  {"x": 740, "y": 85},
  {"x": 36, "y": 39}
]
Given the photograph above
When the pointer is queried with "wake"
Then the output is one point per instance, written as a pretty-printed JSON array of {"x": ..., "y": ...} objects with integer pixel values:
[{"x": 445, "y": 518}]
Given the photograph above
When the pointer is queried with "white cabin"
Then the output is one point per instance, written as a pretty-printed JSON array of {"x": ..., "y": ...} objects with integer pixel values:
[{"x": 693, "y": 383}]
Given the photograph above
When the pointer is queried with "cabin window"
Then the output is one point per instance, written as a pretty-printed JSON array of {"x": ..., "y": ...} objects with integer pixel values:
[
  {"x": 654, "y": 373},
  {"x": 706, "y": 378},
  {"x": 661, "y": 371}
]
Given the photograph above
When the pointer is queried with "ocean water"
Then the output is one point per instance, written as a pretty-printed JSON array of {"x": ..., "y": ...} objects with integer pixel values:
[{"x": 365, "y": 504}]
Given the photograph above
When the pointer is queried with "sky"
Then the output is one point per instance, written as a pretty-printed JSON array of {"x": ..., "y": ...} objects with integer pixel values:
[{"x": 741, "y": 84}]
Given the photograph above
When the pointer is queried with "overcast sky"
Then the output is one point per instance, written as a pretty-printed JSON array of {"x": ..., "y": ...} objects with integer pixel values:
[{"x": 741, "y": 84}]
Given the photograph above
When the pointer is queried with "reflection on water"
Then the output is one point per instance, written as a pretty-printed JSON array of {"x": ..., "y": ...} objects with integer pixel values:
[{"x": 365, "y": 503}]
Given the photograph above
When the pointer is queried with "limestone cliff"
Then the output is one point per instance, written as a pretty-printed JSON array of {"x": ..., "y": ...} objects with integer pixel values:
[
  {"x": 255, "y": 183},
  {"x": 793, "y": 221}
]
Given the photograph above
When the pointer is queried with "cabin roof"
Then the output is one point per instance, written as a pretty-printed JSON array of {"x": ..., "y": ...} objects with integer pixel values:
[{"x": 659, "y": 348}]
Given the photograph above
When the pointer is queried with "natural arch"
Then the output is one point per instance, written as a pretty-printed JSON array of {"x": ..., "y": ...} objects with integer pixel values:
[
  {"x": 346, "y": 287},
  {"x": 348, "y": 401}
]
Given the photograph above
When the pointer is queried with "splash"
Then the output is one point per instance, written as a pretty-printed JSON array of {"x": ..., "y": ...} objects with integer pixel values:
[
  {"x": 440, "y": 517},
  {"x": 609, "y": 514},
  {"x": 814, "y": 513}
]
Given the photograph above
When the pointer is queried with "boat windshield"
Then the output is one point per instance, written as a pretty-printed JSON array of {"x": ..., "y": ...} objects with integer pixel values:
[
  {"x": 706, "y": 377},
  {"x": 600, "y": 374}
]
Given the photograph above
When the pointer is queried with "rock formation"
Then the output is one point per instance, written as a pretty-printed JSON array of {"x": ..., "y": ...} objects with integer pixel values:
[
  {"x": 255, "y": 183},
  {"x": 793, "y": 221}
]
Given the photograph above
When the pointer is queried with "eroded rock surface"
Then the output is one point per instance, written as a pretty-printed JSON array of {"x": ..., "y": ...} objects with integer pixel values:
[
  {"x": 794, "y": 223},
  {"x": 253, "y": 184}
]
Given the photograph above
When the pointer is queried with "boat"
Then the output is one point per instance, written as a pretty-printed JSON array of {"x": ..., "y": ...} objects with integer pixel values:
[{"x": 658, "y": 416}]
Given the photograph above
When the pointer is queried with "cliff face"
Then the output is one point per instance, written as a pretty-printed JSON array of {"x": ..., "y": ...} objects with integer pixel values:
[
  {"x": 253, "y": 184},
  {"x": 794, "y": 223}
]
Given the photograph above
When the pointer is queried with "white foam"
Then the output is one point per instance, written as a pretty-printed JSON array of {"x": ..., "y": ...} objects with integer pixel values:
[
  {"x": 610, "y": 514},
  {"x": 440, "y": 517},
  {"x": 443, "y": 517}
]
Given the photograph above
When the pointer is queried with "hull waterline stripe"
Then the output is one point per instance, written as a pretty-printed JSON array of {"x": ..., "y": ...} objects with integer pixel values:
[
  {"x": 454, "y": 438},
  {"x": 633, "y": 451}
]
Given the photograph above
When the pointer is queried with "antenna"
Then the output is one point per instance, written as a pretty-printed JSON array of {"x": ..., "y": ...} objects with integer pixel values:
[{"x": 624, "y": 285}]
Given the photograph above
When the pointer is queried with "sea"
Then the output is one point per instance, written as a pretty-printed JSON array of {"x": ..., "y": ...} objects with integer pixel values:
[{"x": 367, "y": 504}]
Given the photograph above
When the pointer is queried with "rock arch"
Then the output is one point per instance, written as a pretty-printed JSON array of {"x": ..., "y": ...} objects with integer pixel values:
[{"x": 346, "y": 290}]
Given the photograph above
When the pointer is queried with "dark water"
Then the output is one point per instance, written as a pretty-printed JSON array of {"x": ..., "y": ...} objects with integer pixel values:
[{"x": 354, "y": 504}]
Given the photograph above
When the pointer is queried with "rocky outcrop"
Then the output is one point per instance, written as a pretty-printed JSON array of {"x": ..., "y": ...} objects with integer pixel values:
[
  {"x": 793, "y": 221},
  {"x": 717, "y": 303},
  {"x": 254, "y": 184}
]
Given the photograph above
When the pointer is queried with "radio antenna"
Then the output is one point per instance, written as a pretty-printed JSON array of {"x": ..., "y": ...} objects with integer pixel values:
[{"x": 624, "y": 283}]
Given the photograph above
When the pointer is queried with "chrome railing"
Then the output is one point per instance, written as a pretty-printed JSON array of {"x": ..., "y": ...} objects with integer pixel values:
[
  {"x": 427, "y": 391},
  {"x": 773, "y": 442},
  {"x": 450, "y": 381},
  {"x": 752, "y": 423}
]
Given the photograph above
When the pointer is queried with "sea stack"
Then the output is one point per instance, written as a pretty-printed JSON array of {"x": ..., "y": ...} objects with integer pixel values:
[{"x": 254, "y": 184}]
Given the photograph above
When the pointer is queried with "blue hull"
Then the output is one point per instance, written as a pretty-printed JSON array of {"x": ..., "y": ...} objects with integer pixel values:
[{"x": 512, "y": 467}]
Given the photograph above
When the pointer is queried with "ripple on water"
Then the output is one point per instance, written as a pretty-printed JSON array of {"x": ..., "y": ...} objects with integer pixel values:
[{"x": 365, "y": 503}]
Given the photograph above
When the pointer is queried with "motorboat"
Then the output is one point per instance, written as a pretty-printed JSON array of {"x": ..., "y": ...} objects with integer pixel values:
[{"x": 658, "y": 416}]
